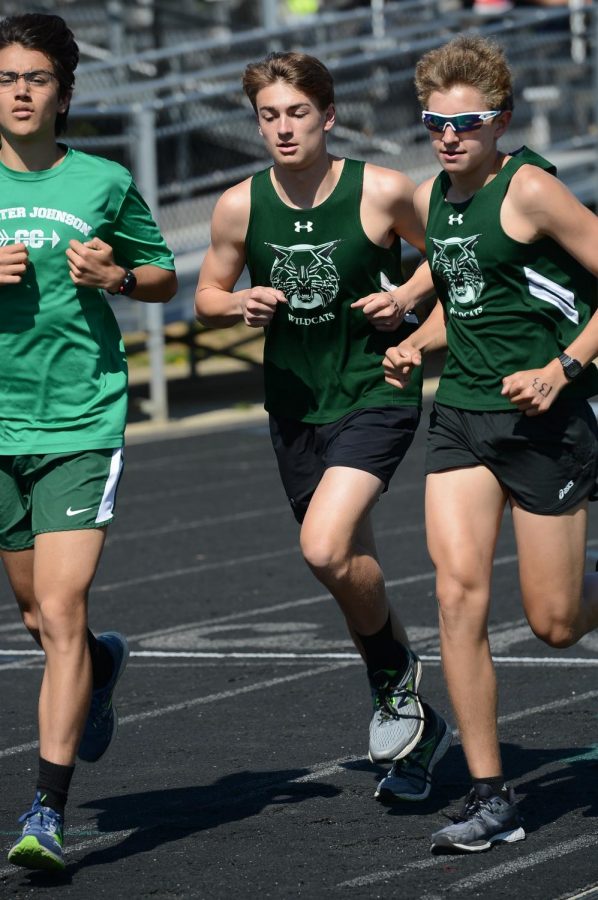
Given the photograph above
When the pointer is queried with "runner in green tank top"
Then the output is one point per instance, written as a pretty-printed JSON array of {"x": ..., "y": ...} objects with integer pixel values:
[
  {"x": 513, "y": 257},
  {"x": 321, "y": 239},
  {"x": 73, "y": 227}
]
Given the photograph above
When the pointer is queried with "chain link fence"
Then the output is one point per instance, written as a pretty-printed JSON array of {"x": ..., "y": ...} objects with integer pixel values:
[{"x": 177, "y": 117}]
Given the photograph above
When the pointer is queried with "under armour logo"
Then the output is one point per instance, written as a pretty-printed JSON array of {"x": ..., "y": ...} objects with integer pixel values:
[
  {"x": 309, "y": 226},
  {"x": 456, "y": 220}
]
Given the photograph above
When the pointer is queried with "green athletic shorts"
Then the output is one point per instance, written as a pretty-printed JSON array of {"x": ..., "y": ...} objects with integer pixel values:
[
  {"x": 56, "y": 492},
  {"x": 548, "y": 463}
]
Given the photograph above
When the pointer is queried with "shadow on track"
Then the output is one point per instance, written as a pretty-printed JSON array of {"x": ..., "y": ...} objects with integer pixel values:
[
  {"x": 564, "y": 787},
  {"x": 159, "y": 817}
]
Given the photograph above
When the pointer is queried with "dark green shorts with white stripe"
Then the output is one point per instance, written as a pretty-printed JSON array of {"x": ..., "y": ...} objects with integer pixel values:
[{"x": 56, "y": 492}]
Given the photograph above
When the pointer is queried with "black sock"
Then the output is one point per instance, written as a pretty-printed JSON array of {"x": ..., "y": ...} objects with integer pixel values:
[
  {"x": 383, "y": 651},
  {"x": 102, "y": 663},
  {"x": 496, "y": 782},
  {"x": 53, "y": 784}
]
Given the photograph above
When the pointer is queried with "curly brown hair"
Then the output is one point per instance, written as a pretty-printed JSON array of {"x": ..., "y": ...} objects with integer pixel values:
[
  {"x": 467, "y": 60},
  {"x": 302, "y": 71}
]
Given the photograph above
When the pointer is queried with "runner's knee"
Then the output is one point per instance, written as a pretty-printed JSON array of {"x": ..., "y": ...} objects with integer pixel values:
[
  {"x": 462, "y": 604},
  {"x": 61, "y": 618},
  {"x": 324, "y": 554},
  {"x": 556, "y": 631}
]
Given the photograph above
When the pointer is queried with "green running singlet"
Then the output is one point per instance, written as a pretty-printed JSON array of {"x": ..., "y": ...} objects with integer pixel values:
[
  {"x": 509, "y": 306},
  {"x": 323, "y": 359}
]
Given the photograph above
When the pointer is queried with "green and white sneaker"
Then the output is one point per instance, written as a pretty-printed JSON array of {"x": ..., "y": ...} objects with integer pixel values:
[
  {"x": 398, "y": 720},
  {"x": 411, "y": 777},
  {"x": 40, "y": 844}
]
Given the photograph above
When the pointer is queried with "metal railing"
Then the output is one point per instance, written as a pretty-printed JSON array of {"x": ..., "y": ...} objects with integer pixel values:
[{"x": 177, "y": 116}]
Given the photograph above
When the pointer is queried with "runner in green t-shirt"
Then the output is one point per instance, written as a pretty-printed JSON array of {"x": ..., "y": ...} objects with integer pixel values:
[
  {"x": 321, "y": 239},
  {"x": 513, "y": 256},
  {"x": 72, "y": 226}
]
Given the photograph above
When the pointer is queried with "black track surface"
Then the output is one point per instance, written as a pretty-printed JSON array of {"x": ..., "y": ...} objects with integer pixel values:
[{"x": 247, "y": 776}]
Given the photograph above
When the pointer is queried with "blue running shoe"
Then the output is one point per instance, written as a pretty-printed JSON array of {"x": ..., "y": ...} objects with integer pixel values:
[
  {"x": 102, "y": 721},
  {"x": 40, "y": 845}
]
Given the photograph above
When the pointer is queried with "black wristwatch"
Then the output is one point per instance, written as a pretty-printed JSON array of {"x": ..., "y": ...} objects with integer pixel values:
[
  {"x": 127, "y": 285},
  {"x": 571, "y": 367}
]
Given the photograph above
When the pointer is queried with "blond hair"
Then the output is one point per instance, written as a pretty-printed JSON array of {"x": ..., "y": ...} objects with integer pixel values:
[{"x": 470, "y": 61}]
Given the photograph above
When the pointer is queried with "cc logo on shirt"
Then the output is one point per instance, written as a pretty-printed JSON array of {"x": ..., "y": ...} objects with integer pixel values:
[{"x": 34, "y": 238}]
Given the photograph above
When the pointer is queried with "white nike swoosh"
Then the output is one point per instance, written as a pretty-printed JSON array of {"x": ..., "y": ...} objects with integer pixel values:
[{"x": 75, "y": 512}]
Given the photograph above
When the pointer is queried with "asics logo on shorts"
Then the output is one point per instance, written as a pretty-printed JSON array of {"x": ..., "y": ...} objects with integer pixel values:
[
  {"x": 75, "y": 512},
  {"x": 564, "y": 491}
]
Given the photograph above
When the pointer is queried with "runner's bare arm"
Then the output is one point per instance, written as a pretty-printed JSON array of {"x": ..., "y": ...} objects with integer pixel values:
[
  {"x": 217, "y": 304},
  {"x": 400, "y": 361},
  {"x": 540, "y": 206},
  {"x": 389, "y": 204}
]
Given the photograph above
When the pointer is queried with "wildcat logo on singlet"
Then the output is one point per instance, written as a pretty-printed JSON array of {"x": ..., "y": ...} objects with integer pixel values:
[
  {"x": 308, "y": 278},
  {"x": 455, "y": 262}
]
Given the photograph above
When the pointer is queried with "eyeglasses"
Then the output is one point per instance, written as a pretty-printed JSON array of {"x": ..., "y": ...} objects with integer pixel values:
[
  {"x": 460, "y": 122},
  {"x": 37, "y": 80}
]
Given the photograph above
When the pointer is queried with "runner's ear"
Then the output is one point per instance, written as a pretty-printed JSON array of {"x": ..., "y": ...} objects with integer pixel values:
[{"x": 330, "y": 118}]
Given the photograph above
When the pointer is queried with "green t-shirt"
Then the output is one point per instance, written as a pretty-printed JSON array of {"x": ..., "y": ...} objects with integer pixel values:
[
  {"x": 323, "y": 359},
  {"x": 63, "y": 370},
  {"x": 509, "y": 306}
]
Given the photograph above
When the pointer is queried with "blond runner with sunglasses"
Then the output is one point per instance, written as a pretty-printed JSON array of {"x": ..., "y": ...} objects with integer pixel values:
[{"x": 513, "y": 257}]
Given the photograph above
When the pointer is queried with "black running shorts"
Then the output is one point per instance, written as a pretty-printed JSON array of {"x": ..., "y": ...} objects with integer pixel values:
[
  {"x": 547, "y": 463},
  {"x": 373, "y": 440}
]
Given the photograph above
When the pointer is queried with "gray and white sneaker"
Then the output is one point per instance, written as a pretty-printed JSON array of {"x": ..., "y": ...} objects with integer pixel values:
[
  {"x": 398, "y": 720},
  {"x": 411, "y": 777},
  {"x": 486, "y": 819}
]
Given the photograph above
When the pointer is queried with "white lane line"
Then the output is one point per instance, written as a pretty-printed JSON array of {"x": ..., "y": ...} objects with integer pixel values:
[
  {"x": 355, "y": 657},
  {"x": 512, "y": 867},
  {"x": 27, "y": 663},
  {"x": 174, "y": 462},
  {"x": 231, "y": 563},
  {"x": 500, "y": 871},
  {"x": 256, "y": 611},
  {"x": 200, "y": 701},
  {"x": 326, "y": 769},
  {"x": 321, "y": 770},
  {"x": 201, "y": 488},
  {"x": 386, "y": 875},
  {"x": 273, "y": 682},
  {"x": 194, "y": 570},
  {"x": 207, "y": 521},
  {"x": 225, "y": 483},
  {"x": 545, "y": 707},
  {"x": 275, "y": 554},
  {"x": 109, "y": 838},
  {"x": 591, "y": 890},
  {"x": 279, "y": 607}
]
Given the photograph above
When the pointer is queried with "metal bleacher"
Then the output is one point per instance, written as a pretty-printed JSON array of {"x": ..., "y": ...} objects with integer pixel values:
[{"x": 175, "y": 113}]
